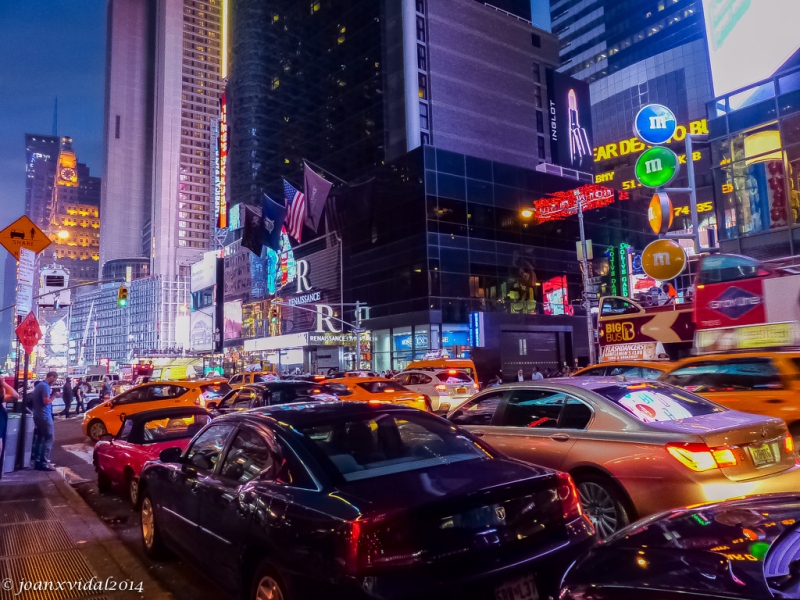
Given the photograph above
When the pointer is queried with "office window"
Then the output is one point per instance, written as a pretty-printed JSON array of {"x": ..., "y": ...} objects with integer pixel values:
[
  {"x": 537, "y": 95},
  {"x": 421, "y": 29},
  {"x": 536, "y": 40},
  {"x": 424, "y": 138},
  {"x": 539, "y": 121},
  {"x": 540, "y": 140},
  {"x": 423, "y": 85},
  {"x": 422, "y": 58},
  {"x": 421, "y": 7},
  {"x": 537, "y": 72},
  {"x": 116, "y": 127},
  {"x": 423, "y": 115}
]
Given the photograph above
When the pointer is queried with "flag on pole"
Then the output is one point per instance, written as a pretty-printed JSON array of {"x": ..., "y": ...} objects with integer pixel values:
[
  {"x": 317, "y": 190},
  {"x": 273, "y": 216},
  {"x": 251, "y": 230},
  {"x": 296, "y": 210}
]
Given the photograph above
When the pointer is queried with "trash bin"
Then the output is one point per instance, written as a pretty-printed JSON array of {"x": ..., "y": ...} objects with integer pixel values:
[{"x": 12, "y": 438}]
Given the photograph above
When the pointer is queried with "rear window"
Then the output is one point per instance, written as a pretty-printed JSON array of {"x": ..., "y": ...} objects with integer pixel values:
[
  {"x": 265, "y": 378},
  {"x": 726, "y": 376},
  {"x": 384, "y": 444},
  {"x": 163, "y": 430},
  {"x": 286, "y": 394},
  {"x": 651, "y": 403},
  {"x": 453, "y": 377},
  {"x": 214, "y": 390},
  {"x": 379, "y": 387}
]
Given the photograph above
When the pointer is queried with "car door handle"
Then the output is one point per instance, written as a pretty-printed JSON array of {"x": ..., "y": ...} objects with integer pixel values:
[
  {"x": 559, "y": 437},
  {"x": 478, "y": 433}
]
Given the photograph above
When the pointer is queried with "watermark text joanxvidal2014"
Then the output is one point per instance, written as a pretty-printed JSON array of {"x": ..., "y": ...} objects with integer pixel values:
[{"x": 110, "y": 584}]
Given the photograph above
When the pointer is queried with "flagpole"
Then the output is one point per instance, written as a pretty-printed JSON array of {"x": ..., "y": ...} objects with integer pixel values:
[{"x": 339, "y": 179}]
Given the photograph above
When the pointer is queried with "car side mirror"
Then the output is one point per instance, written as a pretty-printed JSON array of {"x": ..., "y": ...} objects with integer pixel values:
[
  {"x": 171, "y": 455},
  {"x": 122, "y": 417},
  {"x": 211, "y": 405}
]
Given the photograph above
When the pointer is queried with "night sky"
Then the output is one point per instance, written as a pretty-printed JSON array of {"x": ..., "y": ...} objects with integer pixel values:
[{"x": 49, "y": 48}]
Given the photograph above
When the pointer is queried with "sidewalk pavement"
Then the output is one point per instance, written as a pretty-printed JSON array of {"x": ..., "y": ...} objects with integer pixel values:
[{"x": 48, "y": 535}]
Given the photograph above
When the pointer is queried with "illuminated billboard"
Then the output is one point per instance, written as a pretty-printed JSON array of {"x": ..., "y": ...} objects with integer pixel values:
[
  {"x": 749, "y": 40},
  {"x": 560, "y": 205},
  {"x": 570, "y": 122},
  {"x": 222, "y": 153}
]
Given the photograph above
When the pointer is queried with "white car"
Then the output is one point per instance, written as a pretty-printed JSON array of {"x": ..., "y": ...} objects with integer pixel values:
[{"x": 447, "y": 388}]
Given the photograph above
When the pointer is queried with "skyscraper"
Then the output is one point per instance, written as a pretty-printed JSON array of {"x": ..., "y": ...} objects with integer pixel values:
[
  {"x": 41, "y": 153},
  {"x": 601, "y": 37},
  {"x": 162, "y": 95}
]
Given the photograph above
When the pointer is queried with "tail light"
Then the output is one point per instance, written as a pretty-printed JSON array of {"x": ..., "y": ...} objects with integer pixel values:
[
  {"x": 379, "y": 542},
  {"x": 568, "y": 495},
  {"x": 698, "y": 457},
  {"x": 789, "y": 444},
  {"x": 475, "y": 385},
  {"x": 441, "y": 387},
  {"x": 427, "y": 400}
]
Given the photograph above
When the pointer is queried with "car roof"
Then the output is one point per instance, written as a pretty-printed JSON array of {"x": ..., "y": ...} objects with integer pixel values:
[
  {"x": 567, "y": 384},
  {"x": 729, "y": 355},
  {"x": 167, "y": 413},
  {"x": 302, "y": 414},
  {"x": 654, "y": 364},
  {"x": 279, "y": 384},
  {"x": 355, "y": 380}
]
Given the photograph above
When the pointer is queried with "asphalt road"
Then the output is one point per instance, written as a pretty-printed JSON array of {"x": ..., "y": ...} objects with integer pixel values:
[{"x": 72, "y": 456}]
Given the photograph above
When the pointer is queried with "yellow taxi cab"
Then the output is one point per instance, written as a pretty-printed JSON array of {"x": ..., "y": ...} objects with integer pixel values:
[
  {"x": 644, "y": 369},
  {"x": 436, "y": 364},
  {"x": 376, "y": 389},
  {"x": 765, "y": 383},
  {"x": 109, "y": 416},
  {"x": 248, "y": 377}
]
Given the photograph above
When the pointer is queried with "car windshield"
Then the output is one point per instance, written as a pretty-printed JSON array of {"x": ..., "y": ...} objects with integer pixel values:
[
  {"x": 652, "y": 402},
  {"x": 214, "y": 390},
  {"x": 265, "y": 378},
  {"x": 174, "y": 428},
  {"x": 451, "y": 376},
  {"x": 380, "y": 444},
  {"x": 379, "y": 387},
  {"x": 729, "y": 375}
]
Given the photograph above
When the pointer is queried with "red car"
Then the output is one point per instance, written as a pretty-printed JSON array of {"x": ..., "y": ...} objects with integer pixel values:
[{"x": 119, "y": 459}]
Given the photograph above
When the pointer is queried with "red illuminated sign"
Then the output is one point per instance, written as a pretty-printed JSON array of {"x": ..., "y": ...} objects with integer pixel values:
[
  {"x": 561, "y": 205},
  {"x": 223, "y": 161}
]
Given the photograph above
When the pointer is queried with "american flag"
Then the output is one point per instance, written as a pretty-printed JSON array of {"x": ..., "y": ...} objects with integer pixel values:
[{"x": 296, "y": 210}]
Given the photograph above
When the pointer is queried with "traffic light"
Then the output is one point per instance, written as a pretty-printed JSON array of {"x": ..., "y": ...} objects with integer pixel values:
[
  {"x": 273, "y": 315},
  {"x": 122, "y": 296}
]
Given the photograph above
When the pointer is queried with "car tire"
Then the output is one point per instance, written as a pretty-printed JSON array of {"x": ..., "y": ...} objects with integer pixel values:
[
  {"x": 133, "y": 489},
  {"x": 152, "y": 541},
  {"x": 267, "y": 583},
  {"x": 603, "y": 503},
  {"x": 104, "y": 483},
  {"x": 96, "y": 429}
]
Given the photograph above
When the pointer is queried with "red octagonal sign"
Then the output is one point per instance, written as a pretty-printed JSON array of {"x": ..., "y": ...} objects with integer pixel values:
[{"x": 29, "y": 332}]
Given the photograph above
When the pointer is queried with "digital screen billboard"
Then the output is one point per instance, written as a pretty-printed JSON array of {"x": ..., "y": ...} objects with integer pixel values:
[
  {"x": 748, "y": 40},
  {"x": 570, "y": 122}
]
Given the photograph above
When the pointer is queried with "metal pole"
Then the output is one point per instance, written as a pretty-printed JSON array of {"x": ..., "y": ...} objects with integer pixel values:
[
  {"x": 692, "y": 195},
  {"x": 585, "y": 263},
  {"x": 19, "y": 462}
]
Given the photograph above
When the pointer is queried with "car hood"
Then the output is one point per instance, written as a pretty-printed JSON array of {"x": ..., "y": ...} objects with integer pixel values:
[
  {"x": 725, "y": 547},
  {"x": 415, "y": 488}
]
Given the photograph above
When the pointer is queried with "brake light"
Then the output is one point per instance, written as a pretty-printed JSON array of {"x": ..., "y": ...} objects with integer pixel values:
[
  {"x": 698, "y": 457},
  {"x": 380, "y": 542},
  {"x": 441, "y": 387},
  {"x": 475, "y": 385},
  {"x": 451, "y": 372},
  {"x": 789, "y": 444},
  {"x": 568, "y": 496}
]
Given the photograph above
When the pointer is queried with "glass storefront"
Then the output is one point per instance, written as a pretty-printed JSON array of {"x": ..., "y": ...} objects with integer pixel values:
[{"x": 395, "y": 348}]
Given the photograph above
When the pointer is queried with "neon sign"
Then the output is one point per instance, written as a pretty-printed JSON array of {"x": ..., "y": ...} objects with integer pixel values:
[
  {"x": 564, "y": 204},
  {"x": 222, "y": 222}
]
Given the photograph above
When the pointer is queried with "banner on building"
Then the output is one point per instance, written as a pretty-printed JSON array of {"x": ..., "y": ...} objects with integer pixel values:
[{"x": 570, "y": 119}]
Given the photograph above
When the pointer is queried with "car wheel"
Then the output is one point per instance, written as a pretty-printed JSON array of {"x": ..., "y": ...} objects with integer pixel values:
[
  {"x": 103, "y": 482},
  {"x": 96, "y": 429},
  {"x": 151, "y": 534},
  {"x": 603, "y": 504},
  {"x": 133, "y": 490},
  {"x": 267, "y": 585}
]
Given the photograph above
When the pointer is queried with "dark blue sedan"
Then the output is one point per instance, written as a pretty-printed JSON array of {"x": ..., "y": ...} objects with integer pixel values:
[{"x": 356, "y": 500}]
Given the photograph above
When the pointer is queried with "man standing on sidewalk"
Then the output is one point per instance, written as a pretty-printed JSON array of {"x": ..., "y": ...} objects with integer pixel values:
[
  {"x": 42, "y": 404},
  {"x": 66, "y": 393}
]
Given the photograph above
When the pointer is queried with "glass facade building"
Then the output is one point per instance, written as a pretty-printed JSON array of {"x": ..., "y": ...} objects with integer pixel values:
[{"x": 755, "y": 151}]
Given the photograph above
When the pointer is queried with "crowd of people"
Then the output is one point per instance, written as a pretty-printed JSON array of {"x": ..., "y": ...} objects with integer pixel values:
[{"x": 534, "y": 375}]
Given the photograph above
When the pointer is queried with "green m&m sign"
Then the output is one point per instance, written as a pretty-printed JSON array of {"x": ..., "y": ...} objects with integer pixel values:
[{"x": 657, "y": 166}]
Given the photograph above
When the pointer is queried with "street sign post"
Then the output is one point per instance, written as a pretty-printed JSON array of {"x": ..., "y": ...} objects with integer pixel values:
[
  {"x": 663, "y": 260},
  {"x": 23, "y": 233},
  {"x": 29, "y": 334},
  {"x": 659, "y": 213}
]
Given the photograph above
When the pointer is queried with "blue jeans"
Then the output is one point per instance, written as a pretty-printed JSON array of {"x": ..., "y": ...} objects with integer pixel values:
[{"x": 42, "y": 441}]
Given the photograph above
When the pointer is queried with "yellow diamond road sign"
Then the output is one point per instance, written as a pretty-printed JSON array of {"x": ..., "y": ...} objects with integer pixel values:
[{"x": 23, "y": 233}]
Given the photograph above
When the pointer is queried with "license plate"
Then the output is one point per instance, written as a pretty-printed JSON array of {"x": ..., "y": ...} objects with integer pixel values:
[
  {"x": 461, "y": 390},
  {"x": 523, "y": 588},
  {"x": 762, "y": 455}
]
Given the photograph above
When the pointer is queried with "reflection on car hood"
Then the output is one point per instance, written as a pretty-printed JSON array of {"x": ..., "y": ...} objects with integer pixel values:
[{"x": 714, "y": 548}]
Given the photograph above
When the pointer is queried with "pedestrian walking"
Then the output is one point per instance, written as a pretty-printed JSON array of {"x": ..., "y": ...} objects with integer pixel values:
[
  {"x": 6, "y": 393},
  {"x": 105, "y": 391},
  {"x": 67, "y": 394},
  {"x": 80, "y": 394},
  {"x": 536, "y": 374},
  {"x": 42, "y": 403},
  {"x": 520, "y": 375}
]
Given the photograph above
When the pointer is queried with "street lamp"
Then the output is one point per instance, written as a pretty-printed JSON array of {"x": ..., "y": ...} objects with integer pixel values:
[
  {"x": 527, "y": 213},
  {"x": 63, "y": 234}
]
